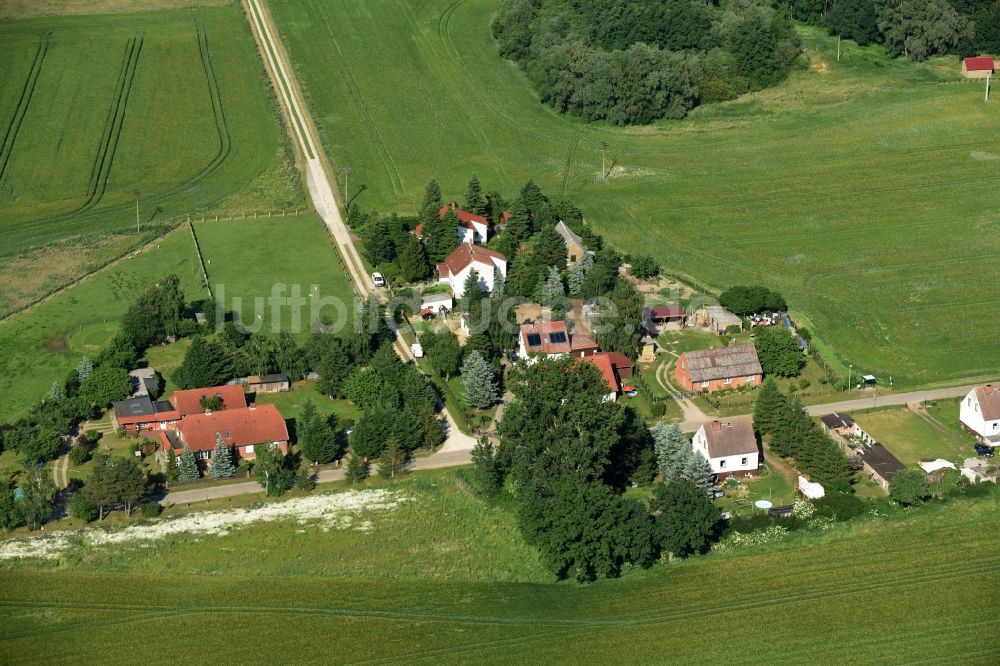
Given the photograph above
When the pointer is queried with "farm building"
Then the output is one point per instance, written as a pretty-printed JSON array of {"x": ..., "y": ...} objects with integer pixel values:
[
  {"x": 980, "y": 414},
  {"x": 467, "y": 258},
  {"x": 268, "y": 383},
  {"x": 880, "y": 465},
  {"x": 665, "y": 314},
  {"x": 719, "y": 368},
  {"x": 719, "y": 319},
  {"x": 730, "y": 447},
  {"x": 575, "y": 249},
  {"x": 978, "y": 67},
  {"x": 141, "y": 413},
  {"x": 842, "y": 424},
  {"x": 242, "y": 428},
  {"x": 144, "y": 382}
]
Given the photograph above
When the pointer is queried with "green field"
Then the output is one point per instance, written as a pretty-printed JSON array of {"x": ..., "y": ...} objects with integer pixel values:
[
  {"x": 41, "y": 345},
  {"x": 861, "y": 189},
  {"x": 247, "y": 259},
  {"x": 912, "y": 437},
  {"x": 173, "y": 104},
  {"x": 444, "y": 579}
]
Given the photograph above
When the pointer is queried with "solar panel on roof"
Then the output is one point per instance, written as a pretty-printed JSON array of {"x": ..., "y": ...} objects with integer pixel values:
[
  {"x": 534, "y": 339},
  {"x": 558, "y": 336}
]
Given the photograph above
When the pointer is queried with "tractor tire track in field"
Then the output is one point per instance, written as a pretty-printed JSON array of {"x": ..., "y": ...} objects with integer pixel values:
[
  {"x": 354, "y": 90},
  {"x": 27, "y": 92},
  {"x": 218, "y": 111}
]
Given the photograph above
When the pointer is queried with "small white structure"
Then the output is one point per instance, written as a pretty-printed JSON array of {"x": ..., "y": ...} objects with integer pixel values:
[
  {"x": 931, "y": 466},
  {"x": 436, "y": 303},
  {"x": 810, "y": 490},
  {"x": 730, "y": 447},
  {"x": 980, "y": 414},
  {"x": 472, "y": 228},
  {"x": 721, "y": 319},
  {"x": 467, "y": 258}
]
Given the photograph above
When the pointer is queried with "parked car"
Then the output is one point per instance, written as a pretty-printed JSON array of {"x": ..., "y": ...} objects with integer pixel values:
[
  {"x": 984, "y": 450},
  {"x": 715, "y": 492},
  {"x": 377, "y": 279}
]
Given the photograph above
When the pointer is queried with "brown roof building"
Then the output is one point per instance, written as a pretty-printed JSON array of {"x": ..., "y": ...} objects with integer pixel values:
[
  {"x": 729, "y": 445},
  {"x": 719, "y": 369}
]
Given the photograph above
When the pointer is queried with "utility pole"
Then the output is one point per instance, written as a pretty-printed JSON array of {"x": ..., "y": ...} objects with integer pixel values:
[
  {"x": 988, "y": 74},
  {"x": 838, "y": 48},
  {"x": 850, "y": 375},
  {"x": 346, "y": 169},
  {"x": 136, "y": 193},
  {"x": 604, "y": 150}
]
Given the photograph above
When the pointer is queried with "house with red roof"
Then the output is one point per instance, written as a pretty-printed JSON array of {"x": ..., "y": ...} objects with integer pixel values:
[
  {"x": 242, "y": 429},
  {"x": 553, "y": 339},
  {"x": 472, "y": 228},
  {"x": 615, "y": 368},
  {"x": 469, "y": 257},
  {"x": 978, "y": 67},
  {"x": 142, "y": 413},
  {"x": 719, "y": 368}
]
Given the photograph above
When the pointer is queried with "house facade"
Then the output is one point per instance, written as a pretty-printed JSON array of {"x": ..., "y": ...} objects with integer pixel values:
[
  {"x": 575, "y": 249},
  {"x": 472, "y": 228},
  {"x": 980, "y": 414},
  {"x": 469, "y": 257},
  {"x": 242, "y": 429},
  {"x": 275, "y": 383},
  {"x": 718, "y": 369},
  {"x": 730, "y": 447}
]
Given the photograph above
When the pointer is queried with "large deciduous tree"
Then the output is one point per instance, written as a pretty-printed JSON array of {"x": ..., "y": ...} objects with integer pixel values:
[
  {"x": 105, "y": 385},
  {"x": 686, "y": 519},
  {"x": 778, "y": 351},
  {"x": 204, "y": 365},
  {"x": 918, "y": 29}
]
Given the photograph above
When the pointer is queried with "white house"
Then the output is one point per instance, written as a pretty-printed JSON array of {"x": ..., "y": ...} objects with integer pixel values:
[
  {"x": 472, "y": 228},
  {"x": 436, "y": 304},
  {"x": 730, "y": 447},
  {"x": 467, "y": 258},
  {"x": 980, "y": 414}
]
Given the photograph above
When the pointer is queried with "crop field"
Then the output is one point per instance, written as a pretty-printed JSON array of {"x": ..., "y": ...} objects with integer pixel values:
[
  {"x": 860, "y": 188},
  {"x": 42, "y": 344},
  {"x": 442, "y": 578},
  {"x": 289, "y": 257},
  {"x": 171, "y": 104}
]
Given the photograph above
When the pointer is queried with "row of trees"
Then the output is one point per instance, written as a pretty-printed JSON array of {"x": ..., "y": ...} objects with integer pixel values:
[
  {"x": 793, "y": 434},
  {"x": 631, "y": 61},
  {"x": 915, "y": 29},
  {"x": 746, "y": 300}
]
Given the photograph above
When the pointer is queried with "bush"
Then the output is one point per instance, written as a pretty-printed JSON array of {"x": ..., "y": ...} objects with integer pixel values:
[
  {"x": 804, "y": 383},
  {"x": 305, "y": 480},
  {"x": 79, "y": 454},
  {"x": 150, "y": 509},
  {"x": 92, "y": 436},
  {"x": 187, "y": 328},
  {"x": 840, "y": 506},
  {"x": 82, "y": 508}
]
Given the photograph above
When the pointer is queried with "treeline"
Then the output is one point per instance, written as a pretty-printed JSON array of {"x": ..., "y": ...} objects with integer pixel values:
[
  {"x": 635, "y": 61},
  {"x": 916, "y": 29}
]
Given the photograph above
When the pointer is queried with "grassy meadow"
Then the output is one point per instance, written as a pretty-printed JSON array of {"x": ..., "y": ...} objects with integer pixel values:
[
  {"x": 247, "y": 259},
  {"x": 914, "y": 436},
  {"x": 173, "y": 104},
  {"x": 444, "y": 578},
  {"x": 859, "y": 188}
]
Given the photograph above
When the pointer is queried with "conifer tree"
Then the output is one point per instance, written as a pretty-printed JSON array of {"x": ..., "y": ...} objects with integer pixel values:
[
  {"x": 170, "y": 469},
  {"x": 766, "y": 407},
  {"x": 204, "y": 365},
  {"x": 413, "y": 265},
  {"x": 697, "y": 470},
  {"x": 378, "y": 241},
  {"x": 429, "y": 209},
  {"x": 550, "y": 249},
  {"x": 357, "y": 470},
  {"x": 488, "y": 480},
  {"x": 578, "y": 273},
  {"x": 222, "y": 460},
  {"x": 85, "y": 368},
  {"x": 188, "y": 466},
  {"x": 390, "y": 463},
  {"x": 480, "y": 382},
  {"x": 57, "y": 392},
  {"x": 672, "y": 448},
  {"x": 474, "y": 200}
]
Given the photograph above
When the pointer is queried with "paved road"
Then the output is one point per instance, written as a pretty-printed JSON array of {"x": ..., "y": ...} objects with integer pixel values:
[
  {"x": 894, "y": 399},
  {"x": 319, "y": 181}
]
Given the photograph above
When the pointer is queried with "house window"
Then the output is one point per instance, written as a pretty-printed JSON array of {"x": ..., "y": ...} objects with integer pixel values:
[
  {"x": 229, "y": 435},
  {"x": 572, "y": 258},
  {"x": 743, "y": 461},
  {"x": 750, "y": 378},
  {"x": 249, "y": 449},
  {"x": 722, "y": 464},
  {"x": 729, "y": 380}
]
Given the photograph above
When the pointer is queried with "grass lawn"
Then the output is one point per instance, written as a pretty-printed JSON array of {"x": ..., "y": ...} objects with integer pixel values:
[
  {"x": 173, "y": 104},
  {"x": 912, "y": 437},
  {"x": 781, "y": 187},
  {"x": 447, "y": 580},
  {"x": 249, "y": 260},
  {"x": 290, "y": 404},
  {"x": 42, "y": 344}
]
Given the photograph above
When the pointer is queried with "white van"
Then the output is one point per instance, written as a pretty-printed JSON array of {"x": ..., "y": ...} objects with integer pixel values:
[{"x": 378, "y": 280}]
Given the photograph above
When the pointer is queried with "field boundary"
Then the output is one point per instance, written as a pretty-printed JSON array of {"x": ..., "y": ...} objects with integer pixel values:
[
  {"x": 201, "y": 259},
  {"x": 21, "y": 110}
]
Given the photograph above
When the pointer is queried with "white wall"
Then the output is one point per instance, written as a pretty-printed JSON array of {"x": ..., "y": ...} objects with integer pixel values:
[
  {"x": 971, "y": 415},
  {"x": 724, "y": 464},
  {"x": 486, "y": 274}
]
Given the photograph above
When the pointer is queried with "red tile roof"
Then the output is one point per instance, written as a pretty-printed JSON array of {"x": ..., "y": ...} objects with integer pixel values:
[
  {"x": 465, "y": 218},
  {"x": 581, "y": 342},
  {"x": 245, "y": 427},
  {"x": 979, "y": 64},
  {"x": 467, "y": 253},
  {"x": 189, "y": 402},
  {"x": 607, "y": 368},
  {"x": 544, "y": 330}
]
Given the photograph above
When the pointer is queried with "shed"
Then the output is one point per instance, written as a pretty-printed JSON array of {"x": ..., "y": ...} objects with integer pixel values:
[
  {"x": 268, "y": 383},
  {"x": 881, "y": 465},
  {"x": 721, "y": 319},
  {"x": 978, "y": 67}
]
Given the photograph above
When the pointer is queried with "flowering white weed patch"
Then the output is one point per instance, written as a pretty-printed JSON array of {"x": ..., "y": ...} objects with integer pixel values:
[{"x": 332, "y": 511}]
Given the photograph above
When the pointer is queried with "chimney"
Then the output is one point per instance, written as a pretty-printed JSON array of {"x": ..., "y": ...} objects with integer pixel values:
[{"x": 716, "y": 426}]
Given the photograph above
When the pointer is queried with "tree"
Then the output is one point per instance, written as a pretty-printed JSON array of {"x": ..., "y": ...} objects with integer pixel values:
[
  {"x": 618, "y": 329},
  {"x": 378, "y": 241},
  {"x": 334, "y": 366},
  {"x": 644, "y": 267},
  {"x": 304, "y": 479},
  {"x": 431, "y": 205},
  {"x": 487, "y": 476},
  {"x": 413, "y": 264},
  {"x": 35, "y": 444},
  {"x": 222, "y": 460},
  {"x": 204, "y": 365},
  {"x": 84, "y": 369},
  {"x": 778, "y": 351},
  {"x": 481, "y": 389},
  {"x": 697, "y": 470},
  {"x": 188, "y": 466},
  {"x": 686, "y": 519},
  {"x": 550, "y": 249},
  {"x": 171, "y": 471},
  {"x": 552, "y": 294},
  {"x": 105, "y": 385},
  {"x": 446, "y": 353},
  {"x": 390, "y": 463},
  {"x": 10, "y": 512},
  {"x": 272, "y": 469},
  {"x": 767, "y": 406},
  {"x": 744, "y": 300},
  {"x": 672, "y": 448},
  {"x": 474, "y": 200},
  {"x": 317, "y": 436},
  {"x": 357, "y": 470},
  {"x": 853, "y": 19},
  {"x": 909, "y": 488},
  {"x": 39, "y": 497},
  {"x": 57, "y": 392},
  {"x": 441, "y": 236},
  {"x": 82, "y": 508},
  {"x": 918, "y": 29},
  {"x": 579, "y": 273},
  {"x": 128, "y": 482}
]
